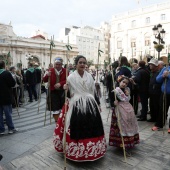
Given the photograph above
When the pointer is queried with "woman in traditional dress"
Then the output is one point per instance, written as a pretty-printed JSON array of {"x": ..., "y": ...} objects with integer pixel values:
[
  {"x": 126, "y": 126},
  {"x": 85, "y": 140}
]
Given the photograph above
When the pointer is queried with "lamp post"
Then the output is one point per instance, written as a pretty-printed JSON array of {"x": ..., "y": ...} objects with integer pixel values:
[
  {"x": 159, "y": 34},
  {"x": 29, "y": 57},
  {"x": 121, "y": 52}
]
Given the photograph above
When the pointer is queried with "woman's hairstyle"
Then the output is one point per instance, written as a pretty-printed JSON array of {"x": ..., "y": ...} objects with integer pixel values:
[
  {"x": 18, "y": 71},
  {"x": 135, "y": 61},
  {"x": 142, "y": 64},
  {"x": 2, "y": 64},
  {"x": 133, "y": 64},
  {"x": 78, "y": 58},
  {"x": 115, "y": 64},
  {"x": 11, "y": 68},
  {"x": 123, "y": 61},
  {"x": 121, "y": 78}
]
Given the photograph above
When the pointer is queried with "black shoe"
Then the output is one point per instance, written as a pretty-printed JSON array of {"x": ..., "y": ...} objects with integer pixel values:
[
  {"x": 151, "y": 120},
  {"x": 142, "y": 119},
  {"x": 139, "y": 116},
  {"x": 30, "y": 100},
  {"x": 35, "y": 99}
]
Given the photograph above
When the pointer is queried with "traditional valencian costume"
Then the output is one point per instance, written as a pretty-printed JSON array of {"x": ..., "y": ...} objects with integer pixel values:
[
  {"x": 128, "y": 122},
  {"x": 85, "y": 140}
]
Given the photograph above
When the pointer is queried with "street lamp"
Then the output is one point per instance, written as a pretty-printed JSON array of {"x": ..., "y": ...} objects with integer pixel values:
[
  {"x": 29, "y": 57},
  {"x": 159, "y": 34}
]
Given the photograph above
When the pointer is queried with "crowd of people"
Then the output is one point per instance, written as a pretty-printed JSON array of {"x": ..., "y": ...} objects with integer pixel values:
[
  {"x": 149, "y": 84},
  {"x": 13, "y": 82},
  {"x": 75, "y": 102}
]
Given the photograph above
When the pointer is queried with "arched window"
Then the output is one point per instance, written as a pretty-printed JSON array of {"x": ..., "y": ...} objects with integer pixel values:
[
  {"x": 133, "y": 23},
  {"x": 119, "y": 26},
  {"x": 147, "y": 20}
]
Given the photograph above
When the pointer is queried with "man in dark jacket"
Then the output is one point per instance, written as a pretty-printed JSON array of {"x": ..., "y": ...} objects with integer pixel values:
[
  {"x": 6, "y": 83},
  {"x": 154, "y": 90},
  {"x": 31, "y": 81},
  {"x": 142, "y": 78}
]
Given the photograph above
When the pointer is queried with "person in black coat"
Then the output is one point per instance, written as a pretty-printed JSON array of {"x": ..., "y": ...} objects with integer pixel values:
[
  {"x": 31, "y": 81},
  {"x": 154, "y": 90},
  {"x": 142, "y": 78},
  {"x": 110, "y": 82},
  {"x": 124, "y": 68},
  {"x": 6, "y": 84},
  {"x": 38, "y": 76}
]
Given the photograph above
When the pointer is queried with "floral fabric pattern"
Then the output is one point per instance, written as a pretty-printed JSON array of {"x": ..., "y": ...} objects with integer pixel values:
[{"x": 78, "y": 150}]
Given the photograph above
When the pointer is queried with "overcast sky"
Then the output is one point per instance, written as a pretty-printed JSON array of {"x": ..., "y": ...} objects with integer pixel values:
[{"x": 52, "y": 15}]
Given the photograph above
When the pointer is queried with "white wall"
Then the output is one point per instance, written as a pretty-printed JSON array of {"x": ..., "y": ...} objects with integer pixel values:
[{"x": 140, "y": 32}]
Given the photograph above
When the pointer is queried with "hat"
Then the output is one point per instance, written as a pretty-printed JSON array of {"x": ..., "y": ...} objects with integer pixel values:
[
  {"x": 58, "y": 60},
  {"x": 36, "y": 64},
  {"x": 153, "y": 61}
]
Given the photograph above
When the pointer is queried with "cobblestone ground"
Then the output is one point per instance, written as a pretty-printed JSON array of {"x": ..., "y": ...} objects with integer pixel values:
[{"x": 32, "y": 149}]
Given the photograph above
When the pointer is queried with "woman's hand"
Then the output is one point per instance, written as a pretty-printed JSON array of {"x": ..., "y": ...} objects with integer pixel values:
[
  {"x": 116, "y": 102},
  {"x": 165, "y": 73},
  {"x": 132, "y": 81},
  {"x": 127, "y": 92},
  {"x": 58, "y": 85},
  {"x": 65, "y": 87},
  {"x": 49, "y": 74}
]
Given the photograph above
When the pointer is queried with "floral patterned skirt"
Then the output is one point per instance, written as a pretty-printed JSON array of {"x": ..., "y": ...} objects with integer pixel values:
[
  {"x": 115, "y": 137},
  {"x": 88, "y": 149}
]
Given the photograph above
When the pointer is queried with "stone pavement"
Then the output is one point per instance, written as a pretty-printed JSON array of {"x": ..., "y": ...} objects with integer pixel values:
[{"x": 32, "y": 148}]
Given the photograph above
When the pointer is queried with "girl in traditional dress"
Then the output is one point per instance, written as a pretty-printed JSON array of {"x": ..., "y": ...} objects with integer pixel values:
[
  {"x": 126, "y": 126},
  {"x": 85, "y": 140}
]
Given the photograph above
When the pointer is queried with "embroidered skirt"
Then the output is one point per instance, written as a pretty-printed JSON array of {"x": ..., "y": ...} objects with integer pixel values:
[
  {"x": 130, "y": 139},
  {"x": 78, "y": 149}
]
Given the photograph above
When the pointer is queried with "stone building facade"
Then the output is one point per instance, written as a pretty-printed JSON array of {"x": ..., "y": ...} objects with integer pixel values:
[
  {"x": 132, "y": 34},
  {"x": 15, "y": 50}
]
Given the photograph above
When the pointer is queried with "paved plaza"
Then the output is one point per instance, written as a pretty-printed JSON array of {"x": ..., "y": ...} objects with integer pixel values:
[{"x": 32, "y": 148}]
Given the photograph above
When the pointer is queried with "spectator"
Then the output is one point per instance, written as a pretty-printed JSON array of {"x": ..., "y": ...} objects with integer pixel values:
[
  {"x": 161, "y": 65},
  {"x": 154, "y": 90},
  {"x": 15, "y": 102},
  {"x": 31, "y": 80},
  {"x": 38, "y": 76},
  {"x": 164, "y": 79},
  {"x": 20, "y": 87},
  {"x": 6, "y": 83},
  {"x": 142, "y": 78},
  {"x": 124, "y": 68}
]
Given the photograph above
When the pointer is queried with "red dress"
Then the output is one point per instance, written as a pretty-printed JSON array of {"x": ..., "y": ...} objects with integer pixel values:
[{"x": 89, "y": 149}]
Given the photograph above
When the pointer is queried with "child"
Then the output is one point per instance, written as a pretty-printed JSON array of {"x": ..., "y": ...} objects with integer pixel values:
[{"x": 127, "y": 121}]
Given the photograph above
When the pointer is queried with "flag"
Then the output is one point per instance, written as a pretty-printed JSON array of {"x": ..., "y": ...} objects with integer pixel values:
[
  {"x": 9, "y": 54},
  {"x": 68, "y": 47},
  {"x": 100, "y": 51},
  {"x": 52, "y": 44}
]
